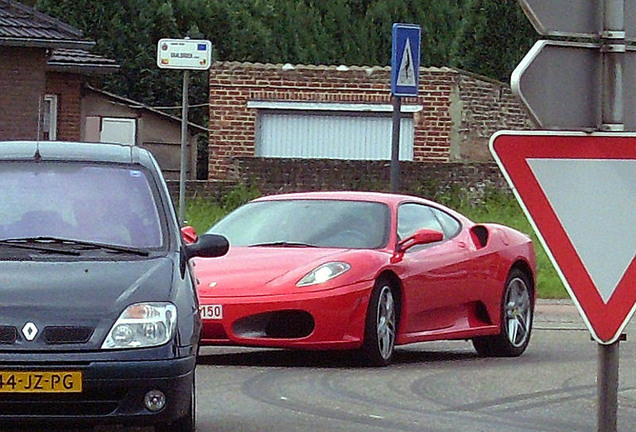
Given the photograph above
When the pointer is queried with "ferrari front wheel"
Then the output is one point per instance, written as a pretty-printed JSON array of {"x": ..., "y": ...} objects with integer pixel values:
[
  {"x": 380, "y": 325},
  {"x": 516, "y": 320}
]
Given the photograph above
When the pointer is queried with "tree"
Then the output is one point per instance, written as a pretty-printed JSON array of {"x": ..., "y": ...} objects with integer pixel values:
[
  {"x": 492, "y": 39},
  {"x": 482, "y": 36}
]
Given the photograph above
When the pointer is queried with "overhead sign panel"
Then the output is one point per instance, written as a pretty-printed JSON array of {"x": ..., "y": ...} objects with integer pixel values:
[
  {"x": 405, "y": 60},
  {"x": 189, "y": 54},
  {"x": 579, "y": 191},
  {"x": 574, "y": 18}
]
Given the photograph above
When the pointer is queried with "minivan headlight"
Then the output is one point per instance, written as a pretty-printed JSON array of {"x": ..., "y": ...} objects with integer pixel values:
[{"x": 143, "y": 325}]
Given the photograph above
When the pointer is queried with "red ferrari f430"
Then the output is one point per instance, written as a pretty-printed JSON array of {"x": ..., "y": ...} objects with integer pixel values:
[{"x": 365, "y": 271}]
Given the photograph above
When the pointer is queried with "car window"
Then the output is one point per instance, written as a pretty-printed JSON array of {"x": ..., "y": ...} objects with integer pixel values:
[
  {"x": 103, "y": 203},
  {"x": 323, "y": 223},
  {"x": 450, "y": 225},
  {"x": 413, "y": 217}
]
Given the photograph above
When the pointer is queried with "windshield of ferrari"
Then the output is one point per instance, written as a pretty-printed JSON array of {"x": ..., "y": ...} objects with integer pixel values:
[
  {"x": 307, "y": 223},
  {"x": 99, "y": 203}
]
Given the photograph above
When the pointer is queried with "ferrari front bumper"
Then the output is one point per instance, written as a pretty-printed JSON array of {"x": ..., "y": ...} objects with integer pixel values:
[{"x": 330, "y": 319}]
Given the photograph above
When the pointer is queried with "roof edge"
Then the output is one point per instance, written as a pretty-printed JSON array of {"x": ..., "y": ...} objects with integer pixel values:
[
  {"x": 44, "y": 17},
  {"x": 82, "y": 69},
  {"x": 138, "y": 105},
  {"x": 46, "y": 43}
]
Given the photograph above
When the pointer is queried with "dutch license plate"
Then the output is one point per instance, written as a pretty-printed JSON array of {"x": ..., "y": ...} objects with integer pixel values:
[
  {"x": 40, "y": 381},
  {"x": 214, "y": 312}
]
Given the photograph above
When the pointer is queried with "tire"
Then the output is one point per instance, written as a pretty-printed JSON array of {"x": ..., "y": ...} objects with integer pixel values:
[
  {"x": 187, "y": 423},
  {"x": 380, "y": 325},
  {"x": 517, "y": 308}
]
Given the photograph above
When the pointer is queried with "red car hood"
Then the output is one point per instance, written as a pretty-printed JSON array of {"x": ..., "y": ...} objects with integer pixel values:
[{"x": 250, "y": 271}]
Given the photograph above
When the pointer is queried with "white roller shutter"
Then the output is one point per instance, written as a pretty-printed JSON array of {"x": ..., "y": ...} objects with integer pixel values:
[{"x": 336, "y": 135}]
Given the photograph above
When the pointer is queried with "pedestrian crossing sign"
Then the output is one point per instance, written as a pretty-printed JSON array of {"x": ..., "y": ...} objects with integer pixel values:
[{"x": 405, "y": 59}]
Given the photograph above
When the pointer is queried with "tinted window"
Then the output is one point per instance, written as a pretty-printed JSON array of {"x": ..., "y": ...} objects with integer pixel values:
[
  {"x": 449, "y": 224},
  {"x": 412, "y": 217},
  {"x": 101, "y": 203},
  {"x": 324, "y": 223}
]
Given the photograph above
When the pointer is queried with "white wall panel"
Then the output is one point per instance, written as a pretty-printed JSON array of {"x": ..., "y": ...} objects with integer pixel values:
[{"x": 330, "y": 136}]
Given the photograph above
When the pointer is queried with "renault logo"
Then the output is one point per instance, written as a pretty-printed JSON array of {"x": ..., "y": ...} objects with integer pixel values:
[{"x": 29, "y": 331}]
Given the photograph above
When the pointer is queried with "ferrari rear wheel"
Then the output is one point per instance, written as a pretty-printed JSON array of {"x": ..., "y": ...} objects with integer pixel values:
[
  {"x": 380, "y": 326},
  {"x": 516, "y": 320}
]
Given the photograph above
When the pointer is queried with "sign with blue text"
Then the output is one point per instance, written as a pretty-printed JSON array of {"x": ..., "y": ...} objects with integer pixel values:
[
  {"x": 405, "y": 59},
  {"x": 184, "y": 54}
]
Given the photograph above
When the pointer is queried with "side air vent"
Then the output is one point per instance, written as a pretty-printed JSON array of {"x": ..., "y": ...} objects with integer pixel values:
[{"x": 479, "y": 234}]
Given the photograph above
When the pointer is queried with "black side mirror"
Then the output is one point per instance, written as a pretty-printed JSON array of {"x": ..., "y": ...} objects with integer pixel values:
[{"x": 207, "y": 246}]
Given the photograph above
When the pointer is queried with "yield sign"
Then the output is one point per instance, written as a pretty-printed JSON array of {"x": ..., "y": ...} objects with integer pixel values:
[{"x": 579, "y": 192}]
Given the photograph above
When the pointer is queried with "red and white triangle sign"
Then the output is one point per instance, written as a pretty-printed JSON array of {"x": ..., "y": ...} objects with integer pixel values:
[{"x": 579, "y": 192}]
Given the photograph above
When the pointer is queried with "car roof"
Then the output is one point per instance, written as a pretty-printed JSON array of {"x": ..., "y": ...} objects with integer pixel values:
[
  {"x": 391, "y": 199},
  {"x": 383, "y": 197},
  {"x": 73, "y": 151}
]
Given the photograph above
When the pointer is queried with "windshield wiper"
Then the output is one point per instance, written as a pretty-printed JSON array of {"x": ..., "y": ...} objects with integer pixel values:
[
  {"x": 39, "y": 243},
  {"x": 282, "y": 244},
  {"x": 31, "y": 244}
]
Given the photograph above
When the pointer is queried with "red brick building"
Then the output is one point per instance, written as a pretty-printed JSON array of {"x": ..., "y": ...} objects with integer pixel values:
[
  {"x": 43, "y": 65},
  {"x": 328, "y": 112}
]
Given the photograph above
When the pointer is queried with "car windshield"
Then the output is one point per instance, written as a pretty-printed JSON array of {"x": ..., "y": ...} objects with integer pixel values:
[
  {"x": 101, "y": 203},
  {"x": 304, "y": 222}
]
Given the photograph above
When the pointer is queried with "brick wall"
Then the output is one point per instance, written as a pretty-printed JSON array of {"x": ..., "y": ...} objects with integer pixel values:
[
  {"x": 275, "y": 175},
  {"x": 22, "y": 84},
  {"x": 67, "y": 87},
  {"x": 480, "y": 108},
  {"x": 460, "y": 110}
]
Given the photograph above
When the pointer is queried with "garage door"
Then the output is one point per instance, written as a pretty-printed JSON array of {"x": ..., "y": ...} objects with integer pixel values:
[{"x": 331, "y": 135}]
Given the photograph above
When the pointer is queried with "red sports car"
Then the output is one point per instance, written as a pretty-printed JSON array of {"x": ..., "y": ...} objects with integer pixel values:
[{"x": 365, "y": 271}]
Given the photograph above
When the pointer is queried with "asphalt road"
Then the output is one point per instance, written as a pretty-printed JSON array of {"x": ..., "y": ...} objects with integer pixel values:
[
  {"x": 430, "y": 387},
  {"x": 439, "y": 386}
]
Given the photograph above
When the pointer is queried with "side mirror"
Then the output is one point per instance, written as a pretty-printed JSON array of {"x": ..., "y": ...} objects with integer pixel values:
[
  {"x": 189, "y": 234},
  {"x": 207, "y": 246},
  {"x": 421, "y": 237}
]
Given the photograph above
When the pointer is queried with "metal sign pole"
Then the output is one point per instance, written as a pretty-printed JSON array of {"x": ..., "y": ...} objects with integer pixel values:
[
  {"x": 613, "y": 50},
  {"x": 607, "y": 386},
  {"x": 395, "y": 144},
  {"x": 184, "y": 134}
]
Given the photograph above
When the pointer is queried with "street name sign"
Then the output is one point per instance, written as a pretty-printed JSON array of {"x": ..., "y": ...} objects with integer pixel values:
[
  {"x": 579, "y": 193},
  {"x": 405, "y": 59},
  {"x": 188, "y": 54}
]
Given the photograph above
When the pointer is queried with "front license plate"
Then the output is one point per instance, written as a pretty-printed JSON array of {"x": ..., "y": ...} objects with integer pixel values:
[
  {"x": 214, "y": 312},
  {"x": 41, "y": 382}
]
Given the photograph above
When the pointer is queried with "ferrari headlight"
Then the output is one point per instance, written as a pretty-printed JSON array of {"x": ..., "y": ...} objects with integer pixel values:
[
  {"x": 324, "y": 273},
  {"x": 143, "y": 325}
]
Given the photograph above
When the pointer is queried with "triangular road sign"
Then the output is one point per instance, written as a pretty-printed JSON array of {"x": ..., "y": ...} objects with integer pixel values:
[
  {"x": 406, "y": 74},
  {"x": 579, "y": 192}
]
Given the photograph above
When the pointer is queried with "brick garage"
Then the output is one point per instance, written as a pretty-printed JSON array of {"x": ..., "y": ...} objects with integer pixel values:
[{"x": 459, "y": 111}]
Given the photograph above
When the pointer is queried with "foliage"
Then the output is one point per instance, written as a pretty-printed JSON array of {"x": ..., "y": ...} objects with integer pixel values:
[
  {"x": 202, "y": 213},
  {"x": 481, "y": 36},
  {"x": 492, "y": 38}
]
